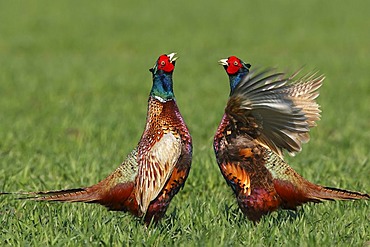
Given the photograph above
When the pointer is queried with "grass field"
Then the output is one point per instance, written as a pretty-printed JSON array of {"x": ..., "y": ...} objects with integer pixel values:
[{"x": 74, "y": 83}]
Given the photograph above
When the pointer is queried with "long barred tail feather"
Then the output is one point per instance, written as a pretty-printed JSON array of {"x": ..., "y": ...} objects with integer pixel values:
[
  {"x": 329, "y": 193},
  {"x": 69, "y": 195}
]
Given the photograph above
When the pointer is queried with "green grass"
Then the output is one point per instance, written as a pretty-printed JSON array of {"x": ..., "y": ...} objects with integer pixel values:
[{"x": 74, "y": 83}]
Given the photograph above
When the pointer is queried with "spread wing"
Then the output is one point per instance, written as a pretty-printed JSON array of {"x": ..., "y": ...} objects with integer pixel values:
[
  {"x": 156, "y": 168},
  {"x": 278, "y": 110}
]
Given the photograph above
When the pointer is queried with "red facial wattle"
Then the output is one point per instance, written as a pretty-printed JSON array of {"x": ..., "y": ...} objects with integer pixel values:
[
  {"x": 234, "y": 64},
  {"x": 165, "y": 64}
]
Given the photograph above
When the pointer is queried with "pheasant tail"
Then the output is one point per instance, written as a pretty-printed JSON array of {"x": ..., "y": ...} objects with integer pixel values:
[
  {"x": 328, "y": 193},
  {"x": 113, "y": 197},
  {"x": 69, "y": 195},
  {"x": 112, "y": 192},
  {"x": 294, "y": 190}
]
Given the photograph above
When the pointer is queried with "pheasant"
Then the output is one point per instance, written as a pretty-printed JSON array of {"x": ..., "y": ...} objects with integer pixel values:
[
  {"x": 155, "y": 171},
  {"x": 268, "y": 113}
]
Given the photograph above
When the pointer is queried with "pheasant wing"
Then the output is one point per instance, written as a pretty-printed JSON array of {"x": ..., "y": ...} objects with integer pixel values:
[
  {"x": 277, "y": 110},
  {"x": 155, "y": 168}
]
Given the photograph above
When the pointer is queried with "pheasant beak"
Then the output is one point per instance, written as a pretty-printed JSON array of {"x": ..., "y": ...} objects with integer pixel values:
[
  {"x": 223, "y": 62},
  {"x": 172, "y": 57}
]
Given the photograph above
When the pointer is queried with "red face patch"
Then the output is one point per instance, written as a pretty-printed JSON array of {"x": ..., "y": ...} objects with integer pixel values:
[
  {"x": 234, "y": 64},
  {"x": 165, "y": 64}
]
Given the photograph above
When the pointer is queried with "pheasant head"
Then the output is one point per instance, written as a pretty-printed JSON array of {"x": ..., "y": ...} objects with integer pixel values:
[
  {"x": 162, "y": 71},
  {"x": 236, "y": 69}
]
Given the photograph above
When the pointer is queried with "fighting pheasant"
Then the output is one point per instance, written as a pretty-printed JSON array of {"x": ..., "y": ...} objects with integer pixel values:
[
  {"x": 155, "y": 170},
  {"x": 267, "y": 113}
]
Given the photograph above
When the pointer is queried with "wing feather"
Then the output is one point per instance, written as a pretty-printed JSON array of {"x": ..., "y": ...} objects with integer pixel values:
[
  {"x": 156, "y": 168},
  {"x": 283, "y": 108}
]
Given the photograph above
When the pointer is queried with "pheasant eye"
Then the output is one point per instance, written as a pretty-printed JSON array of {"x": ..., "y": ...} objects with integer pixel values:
[
  {"x": 163, "y": 63},
  {"x": 236, "y": 63}
]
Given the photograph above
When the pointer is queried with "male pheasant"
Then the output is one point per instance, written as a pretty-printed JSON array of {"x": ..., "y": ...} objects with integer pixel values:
[
  {"x": 155, "y": 170},
  {"x": 267, "y": 113}
]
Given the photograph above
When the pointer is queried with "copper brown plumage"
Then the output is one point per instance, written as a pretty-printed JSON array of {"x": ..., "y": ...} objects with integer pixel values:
[
  {"x": 266, "y": 114},
  {"x": 145, "y": 183}
]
